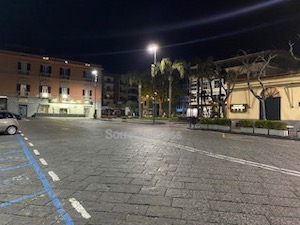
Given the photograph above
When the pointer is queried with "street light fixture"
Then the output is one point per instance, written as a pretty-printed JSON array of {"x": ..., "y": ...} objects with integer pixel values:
[
  {"x": 153, "y": 49},
  {"x": 95, "y": 74}
]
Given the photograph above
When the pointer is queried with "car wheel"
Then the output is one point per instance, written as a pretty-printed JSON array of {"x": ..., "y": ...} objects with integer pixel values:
[{"x": 11, "y": 130}]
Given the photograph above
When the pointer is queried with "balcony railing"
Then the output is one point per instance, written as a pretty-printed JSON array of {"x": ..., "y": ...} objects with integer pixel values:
[
  {"x": 23, "y": 93},
  {"x": 24, "y": 72}
]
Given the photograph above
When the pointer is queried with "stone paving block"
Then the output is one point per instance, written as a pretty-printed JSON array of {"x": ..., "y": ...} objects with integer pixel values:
[
  {"x": 87, "y": 195},
  {"x": 190, "y": 203},
  {"x": 98, "y": 187},
  {"x": 288, "y": 202},
  {"x": 138, "y": 220},
  {"x": 35, "y": 211},
  {"x": 150, "y": 200},
  {"x": 125, "y": 188},
  {"x": 284, "y": 220},
  {"x": 105, "y": 218},
  {"x": 256, "y": 199},
  {"x": 162, "y": 211},
  {"x": 222, "y": 206},
  {"x": 92, "y": 206},
  {"x": 196, "y": 214},
  {"x": 279, "y": 211},
  {"x": 253, "y": 190},
  {"x": 114, "y": 197},
  {"x": 113, "y": 174},
  {"x": 239, "y": 218},
  {"x": 148, "y": 190},
  {"x": 130, "y": 208},
  {"x": 170, "y": 184},
  {"x": 143, "y": 182},
  {"x": 199, "y": 186},
  {"x": 179, "y": 193}
]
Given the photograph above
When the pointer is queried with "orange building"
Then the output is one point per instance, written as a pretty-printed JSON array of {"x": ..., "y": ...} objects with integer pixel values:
[{"x": 35, "y": 84}]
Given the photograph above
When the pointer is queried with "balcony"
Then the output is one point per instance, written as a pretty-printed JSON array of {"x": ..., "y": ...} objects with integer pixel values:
[
  {"x": 44, "y": 74},
  {"x": 45, "y": 95},
  {"x": 23, "y": 72},
  {"x": 23, "y": 94}
]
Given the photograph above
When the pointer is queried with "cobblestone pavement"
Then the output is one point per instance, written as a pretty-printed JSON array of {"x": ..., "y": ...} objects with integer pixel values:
[{"x": 83, "y": 171}]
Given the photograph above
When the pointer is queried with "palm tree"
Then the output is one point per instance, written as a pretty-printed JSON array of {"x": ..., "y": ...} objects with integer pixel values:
[{"x": 166, "y": 66}]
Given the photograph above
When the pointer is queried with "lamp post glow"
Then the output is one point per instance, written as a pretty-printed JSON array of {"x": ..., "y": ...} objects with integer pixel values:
[
  {"x": 95, "y": 74},
  {"x": 153, "y": 48}
]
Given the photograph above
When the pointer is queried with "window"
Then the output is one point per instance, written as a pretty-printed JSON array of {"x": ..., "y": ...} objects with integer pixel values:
[
  {"x": 65, "y": 73},
  {"x": 204, "y": 85},
  {"x": 87, "y": 76},
  {"x": 45, "y": 91},
  {"x": 64, "y": 92},
  {"x": 24, "y": 68},
  {"x": 45, "y": 70},
  {"x": 23, "y": 89},
  {"x": 87, "y": 94},
  {"x": 216, "y": 83}
]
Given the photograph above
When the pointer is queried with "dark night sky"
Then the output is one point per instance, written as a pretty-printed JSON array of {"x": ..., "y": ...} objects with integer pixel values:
[{"x": 115, "y": 33}]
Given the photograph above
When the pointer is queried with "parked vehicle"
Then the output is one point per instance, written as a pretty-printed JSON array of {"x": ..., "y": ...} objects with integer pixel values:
[{"x": 8, "y": 123}]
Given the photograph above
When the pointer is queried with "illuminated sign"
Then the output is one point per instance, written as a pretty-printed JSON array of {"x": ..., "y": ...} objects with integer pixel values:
[{"x": 238, "y": 108}]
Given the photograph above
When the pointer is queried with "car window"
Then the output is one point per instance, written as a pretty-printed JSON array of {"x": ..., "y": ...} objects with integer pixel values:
[{"x": 6, "y": 115}]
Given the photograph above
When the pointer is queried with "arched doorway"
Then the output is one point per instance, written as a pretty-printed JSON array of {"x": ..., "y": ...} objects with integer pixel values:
[{"x": 272, "y": 104}]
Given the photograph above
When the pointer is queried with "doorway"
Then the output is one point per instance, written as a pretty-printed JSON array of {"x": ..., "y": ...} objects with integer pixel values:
[
  {"x": 272, "y": 104},
  {"x": 23, "y": 110}
]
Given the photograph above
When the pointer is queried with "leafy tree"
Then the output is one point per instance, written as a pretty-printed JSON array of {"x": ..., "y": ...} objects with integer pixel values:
[{"x": 167, "y": 67}]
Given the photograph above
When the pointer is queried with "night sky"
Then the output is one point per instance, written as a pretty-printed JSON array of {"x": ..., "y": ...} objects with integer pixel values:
[{"x": 116, "y": 33}]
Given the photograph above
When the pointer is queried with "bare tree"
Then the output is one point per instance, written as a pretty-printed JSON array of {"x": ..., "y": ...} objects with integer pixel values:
[
  {"x": 291, "y": 44},
  {"x": 256, "y": 69}
]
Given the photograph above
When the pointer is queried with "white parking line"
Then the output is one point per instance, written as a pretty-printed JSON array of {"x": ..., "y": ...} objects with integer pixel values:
[
  {"x": 30, "y": 144},
  {"x": 43, "y": 161},
  {"x": 36, "y": 152},
  {"x": 53, "y": 176},
  {"x": 79, "y": 208}
]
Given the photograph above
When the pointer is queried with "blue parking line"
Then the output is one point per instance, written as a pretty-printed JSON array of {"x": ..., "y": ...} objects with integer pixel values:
[
  {"x": 17, "y": 200},
  {"x": 64, "y": 215},
  {"x": 2, "y": 169},
  {"x": 11, "y": 152}
]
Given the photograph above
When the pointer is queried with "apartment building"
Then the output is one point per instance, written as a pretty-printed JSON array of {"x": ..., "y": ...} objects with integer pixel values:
[
  {"x": 36, "y": 84},
  {"x": 108, "y": 90}
]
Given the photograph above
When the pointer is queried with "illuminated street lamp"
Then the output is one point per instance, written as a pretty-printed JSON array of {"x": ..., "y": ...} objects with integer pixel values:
[
  {"x": 153, "y": 48},
  {"x": 95, "y": 74}
]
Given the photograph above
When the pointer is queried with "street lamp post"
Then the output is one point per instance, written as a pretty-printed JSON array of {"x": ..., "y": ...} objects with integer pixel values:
[
  {"x": 95, "y": 74},
  {"x": 153, "y": 48}
]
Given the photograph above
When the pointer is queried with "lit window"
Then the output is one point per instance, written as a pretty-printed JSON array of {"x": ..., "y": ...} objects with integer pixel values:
[
  {"x": 45, "y": 70},
  {"x": 24, "y": 68}
]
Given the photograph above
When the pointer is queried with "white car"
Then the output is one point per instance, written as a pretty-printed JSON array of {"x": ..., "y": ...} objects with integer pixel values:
[{"x": 8, "y": 123}]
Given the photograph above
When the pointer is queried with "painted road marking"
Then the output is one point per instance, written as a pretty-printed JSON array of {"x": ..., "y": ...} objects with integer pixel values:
[
  {"x": 30, "y": 144},
  {"x": 228, "y": 158},
  {"x": 43, "y": 161},
  {"x": 25, "y": 138},
  {"x": 2, "y": 169},
  {"x": 58, "y": 206},
  {"x": 36, "y": 152},
  {"x": 21, "y": 199},
  {"x": 22, "y": 134},
  {"x": 79, "y": 208},
  {"x": 11, "y": 152},
  {"x": 53, "y": 176}
]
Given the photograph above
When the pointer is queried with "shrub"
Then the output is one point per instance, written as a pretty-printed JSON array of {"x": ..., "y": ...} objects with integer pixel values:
[
  {"x": 246, "y": 123},
  {"x": 277, "y": 125},
  {"x": 205, "y": 121},
  {"x": 270, "y": 124},
  {"x": 261, "y": 124},
  {"x": 217, "y": 121}
]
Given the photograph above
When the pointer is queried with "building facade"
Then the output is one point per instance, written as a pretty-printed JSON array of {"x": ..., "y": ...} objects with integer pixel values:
[{"x": 35, "y": 84}]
